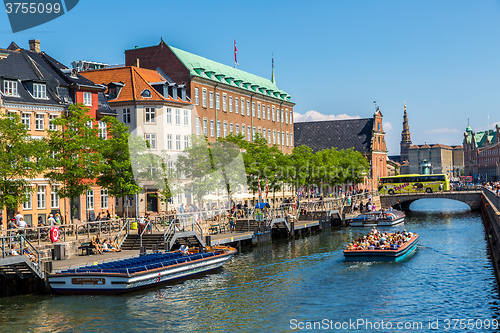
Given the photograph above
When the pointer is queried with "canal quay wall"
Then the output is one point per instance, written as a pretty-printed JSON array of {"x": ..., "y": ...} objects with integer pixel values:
[{"x": 490, "y": 211}]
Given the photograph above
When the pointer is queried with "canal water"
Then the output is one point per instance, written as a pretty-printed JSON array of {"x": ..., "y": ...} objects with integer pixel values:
[{"x": 290, "y": 285}]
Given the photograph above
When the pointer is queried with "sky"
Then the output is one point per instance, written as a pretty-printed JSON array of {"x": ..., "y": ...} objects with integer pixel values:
[{"x": 335, "y": 58}]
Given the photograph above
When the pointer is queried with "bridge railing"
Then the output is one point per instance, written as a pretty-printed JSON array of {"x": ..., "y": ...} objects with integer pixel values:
[{"x": 495, "y": 200}]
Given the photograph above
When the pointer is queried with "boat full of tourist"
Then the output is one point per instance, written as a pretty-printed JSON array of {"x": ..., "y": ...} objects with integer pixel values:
[
  {"x": 142, "y": 271},
  {"x": 382, "y": 246},
  {"x": 379, "y": 218}
]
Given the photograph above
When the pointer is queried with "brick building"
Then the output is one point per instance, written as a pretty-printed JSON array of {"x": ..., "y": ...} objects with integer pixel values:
[
  {"x": 226, "y": 100},
  {"x": 437, "y": 158},
  {"x": 365, "y": 135},
  {"x": 482, "y": 154},
  {"x": 39, "y": 89}
]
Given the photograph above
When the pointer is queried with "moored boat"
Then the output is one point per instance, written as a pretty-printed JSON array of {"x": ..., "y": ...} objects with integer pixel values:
[
  {"x": 386, "y": 218},
  {"x": 393, "y": 253},
  {"x": 127, "y": 274}
]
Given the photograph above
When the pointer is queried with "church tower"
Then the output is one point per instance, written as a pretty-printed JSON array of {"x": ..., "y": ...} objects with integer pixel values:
[{"x": 405, "y": 138}]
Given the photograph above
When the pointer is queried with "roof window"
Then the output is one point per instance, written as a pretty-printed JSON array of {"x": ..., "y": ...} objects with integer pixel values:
[{"x": 146, "y": 93}]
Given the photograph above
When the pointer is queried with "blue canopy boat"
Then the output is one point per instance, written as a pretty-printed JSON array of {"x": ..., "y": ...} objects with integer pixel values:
[{"x": 394, "y": 254}]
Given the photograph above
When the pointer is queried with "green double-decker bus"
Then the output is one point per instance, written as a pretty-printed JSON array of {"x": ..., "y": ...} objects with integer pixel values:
[{"x": 414, "y": 184}]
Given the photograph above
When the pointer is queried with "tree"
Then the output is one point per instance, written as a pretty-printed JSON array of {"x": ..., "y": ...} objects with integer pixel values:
[
  {"x": 116, "y": 173},
  {"x": 75, "y": 146},
  {"x": 21, "y": 158}
]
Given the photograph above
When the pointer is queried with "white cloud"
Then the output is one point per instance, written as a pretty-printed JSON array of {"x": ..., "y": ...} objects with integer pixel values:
[
  {"x": 316, "y": 116},
  {"x": 444, "y": 130},
  {"x": 387, "y": 126}
]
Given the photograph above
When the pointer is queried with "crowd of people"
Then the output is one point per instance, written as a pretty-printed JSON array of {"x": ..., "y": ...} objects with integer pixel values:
[
  {"x": 105, "y": 245},
  {"x": 377, "y": 240}
]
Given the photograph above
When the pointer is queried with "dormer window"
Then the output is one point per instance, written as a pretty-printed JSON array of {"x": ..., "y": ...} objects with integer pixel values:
[
  {"x": 39, "y": 90},
  {"x": 146, "y": 93},
  {"x": 10, "y": 88},
  {"x": 87, "y": 99}
]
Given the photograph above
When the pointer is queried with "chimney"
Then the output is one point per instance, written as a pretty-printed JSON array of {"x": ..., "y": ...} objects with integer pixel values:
[
  {"x": 35, "y": 45},
  {"x": 136, "y": 62}
]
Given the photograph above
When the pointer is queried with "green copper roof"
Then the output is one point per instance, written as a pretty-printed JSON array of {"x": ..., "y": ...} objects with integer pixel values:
[
  {"x": 209, "y": 69},
  {"x": 481, "y": 138}
]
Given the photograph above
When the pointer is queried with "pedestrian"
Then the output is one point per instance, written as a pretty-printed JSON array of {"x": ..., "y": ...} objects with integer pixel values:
[
  {"x": 51, "y": 220},
  {"x": 18, "y": 217},
  {"x": 58, "y": 218}
]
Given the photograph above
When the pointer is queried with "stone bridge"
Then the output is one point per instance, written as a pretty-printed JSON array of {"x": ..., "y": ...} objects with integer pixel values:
[{"x": 471, "y": 198}]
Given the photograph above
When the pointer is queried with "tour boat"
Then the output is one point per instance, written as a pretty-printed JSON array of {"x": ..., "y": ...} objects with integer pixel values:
[
  {"x": 384, "y": 255},
  {"x": 386, "y": 218},
  {"x": 127, "y": 274}
]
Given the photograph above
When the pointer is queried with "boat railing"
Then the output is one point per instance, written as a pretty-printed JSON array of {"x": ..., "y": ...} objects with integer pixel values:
[
  {"x": 25, "y": 248},
  {"x": 146, "y": 228},
  {"x": 169, "y": 233},
  {"x": 125, "y": 228}
]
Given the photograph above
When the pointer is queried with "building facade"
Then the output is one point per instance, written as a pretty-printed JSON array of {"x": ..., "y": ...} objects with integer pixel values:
[
  {"x": 366, "y": 136},
  {"x": 40, "y": 89},
  {"x": 482, "y": 154},
  {"x": 436, "y": 159},
  {"x": 226, "y": 100},
  {"x": 156, "y": 108}
]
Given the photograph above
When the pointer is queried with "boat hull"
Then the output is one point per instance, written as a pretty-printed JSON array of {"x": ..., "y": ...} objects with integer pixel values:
[
  {"x": 112, "y": 283},
  {"x": 383, "y": 255},
  {"x": 377, "y": 223}
]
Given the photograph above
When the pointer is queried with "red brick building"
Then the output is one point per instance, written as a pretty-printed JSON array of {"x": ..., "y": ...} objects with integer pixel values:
[{"x": 226, "y": 100}]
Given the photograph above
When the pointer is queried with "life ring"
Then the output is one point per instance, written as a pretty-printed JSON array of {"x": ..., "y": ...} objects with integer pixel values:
[{"x": 54, "y": 234}]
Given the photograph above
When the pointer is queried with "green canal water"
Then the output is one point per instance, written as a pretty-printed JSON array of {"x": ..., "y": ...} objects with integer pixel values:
[{"x": 290, "y": 285}]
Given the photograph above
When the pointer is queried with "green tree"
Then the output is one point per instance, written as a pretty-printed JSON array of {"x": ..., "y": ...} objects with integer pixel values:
[
  {"x": 116, "y": 173},
  {"x": 21, "y": 158},
  {"x": 75, "y": 146}
]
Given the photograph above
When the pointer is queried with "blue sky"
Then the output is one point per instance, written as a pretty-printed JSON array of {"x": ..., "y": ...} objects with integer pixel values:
[{"x": 333, "y": 57}]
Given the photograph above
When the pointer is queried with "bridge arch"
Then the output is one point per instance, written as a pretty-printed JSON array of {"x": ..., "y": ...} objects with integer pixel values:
[{"x": 471, "y": 198}]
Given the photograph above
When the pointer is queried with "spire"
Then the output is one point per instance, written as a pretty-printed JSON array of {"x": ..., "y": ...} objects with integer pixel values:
[
  {"x": 272, "y": 75},
  {"x": 405, "y": 136}
]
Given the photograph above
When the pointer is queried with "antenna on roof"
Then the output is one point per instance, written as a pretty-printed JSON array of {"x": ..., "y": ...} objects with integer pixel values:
[
  {"x": 273, "y": 80},
  {"x": 376, "y": 106}
]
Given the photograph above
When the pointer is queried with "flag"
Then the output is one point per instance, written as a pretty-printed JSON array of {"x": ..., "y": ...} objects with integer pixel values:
[
  {"x": 235, "y": 51},
  {"x": 267, "y": 188},
  {"x": 260, "y": 191}
]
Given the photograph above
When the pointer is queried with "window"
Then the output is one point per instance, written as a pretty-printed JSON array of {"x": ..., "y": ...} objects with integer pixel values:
[
  {"x": 103, "y": 132},
  {"x": 104, "y": 199},
  {"x": 177, "y": 116},
  {"x": 150, "y": 116},
  {"x": 243, "y": 130},
  {"x": 26, "y": 120},
  {"x": 282, "y": 120},
  {"x": 211, "y": 99},
  {"x": 10, "y": 88},
  {"x": 40, "y": 197},
  {"x": 258, "y": 110},
  {"x": 87, "y": 99},
  {"x": 269, "y": 136},
  {"x": 90, "y": 199},
  {"x": 224, "y": 102},
  {"x": 287, "y": 139},
  {"x": 212, "y": 128},
  {"x": 151, "y": 140},
  {"x": 217, "y": 101},
  {"x": 253, "y": 133},
  {"x": 54, "y": 197},
  {"x": 39, "y": 90},
  {"x": 169, "y": 115},
  {"x": 231, "y": 128},
  {"x": 286, "y": 117},
  {"x": 253, "y": 109},
  {"x": 89, "y": 124},
  {"x": 204, "y": 97},
  {"x": 278, "y": 115},
  {"x": 248, "y": 108},
  {"x": 178, "y": 142},
  {"x": 237, "y": 129},
  {"x": 186, "y": 141},
  {"x": 242, "y": 106},
  {"x": 274, "y": 113},
  {"x": 218, "y": 128},
  {"x": 225, "y": 128},
  {"x": 169, "y": 141},
  {"x": 186, "y": 118},
  {"x": 196, "y": 97},
  {"x": 274, "y": 137},
  {"x": 236, "y": 105},
  {"x": 197, "y": 126},
  {"x": 230, "y": 103},
  {"x": 291, "y": 140},
  {"x": 27, "y": 203},
  {"x": 205, "y": 126},
  {"x": 282, "y": 138},
  {"x": 126, "y": 116},
  {"x": 249, "y": 133},
  {"x": 39, "y": 122},
  {"x": 291, "y": 117},
  {"x": 263, "y": 112},
  {"x": 268, "y": 112}
]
